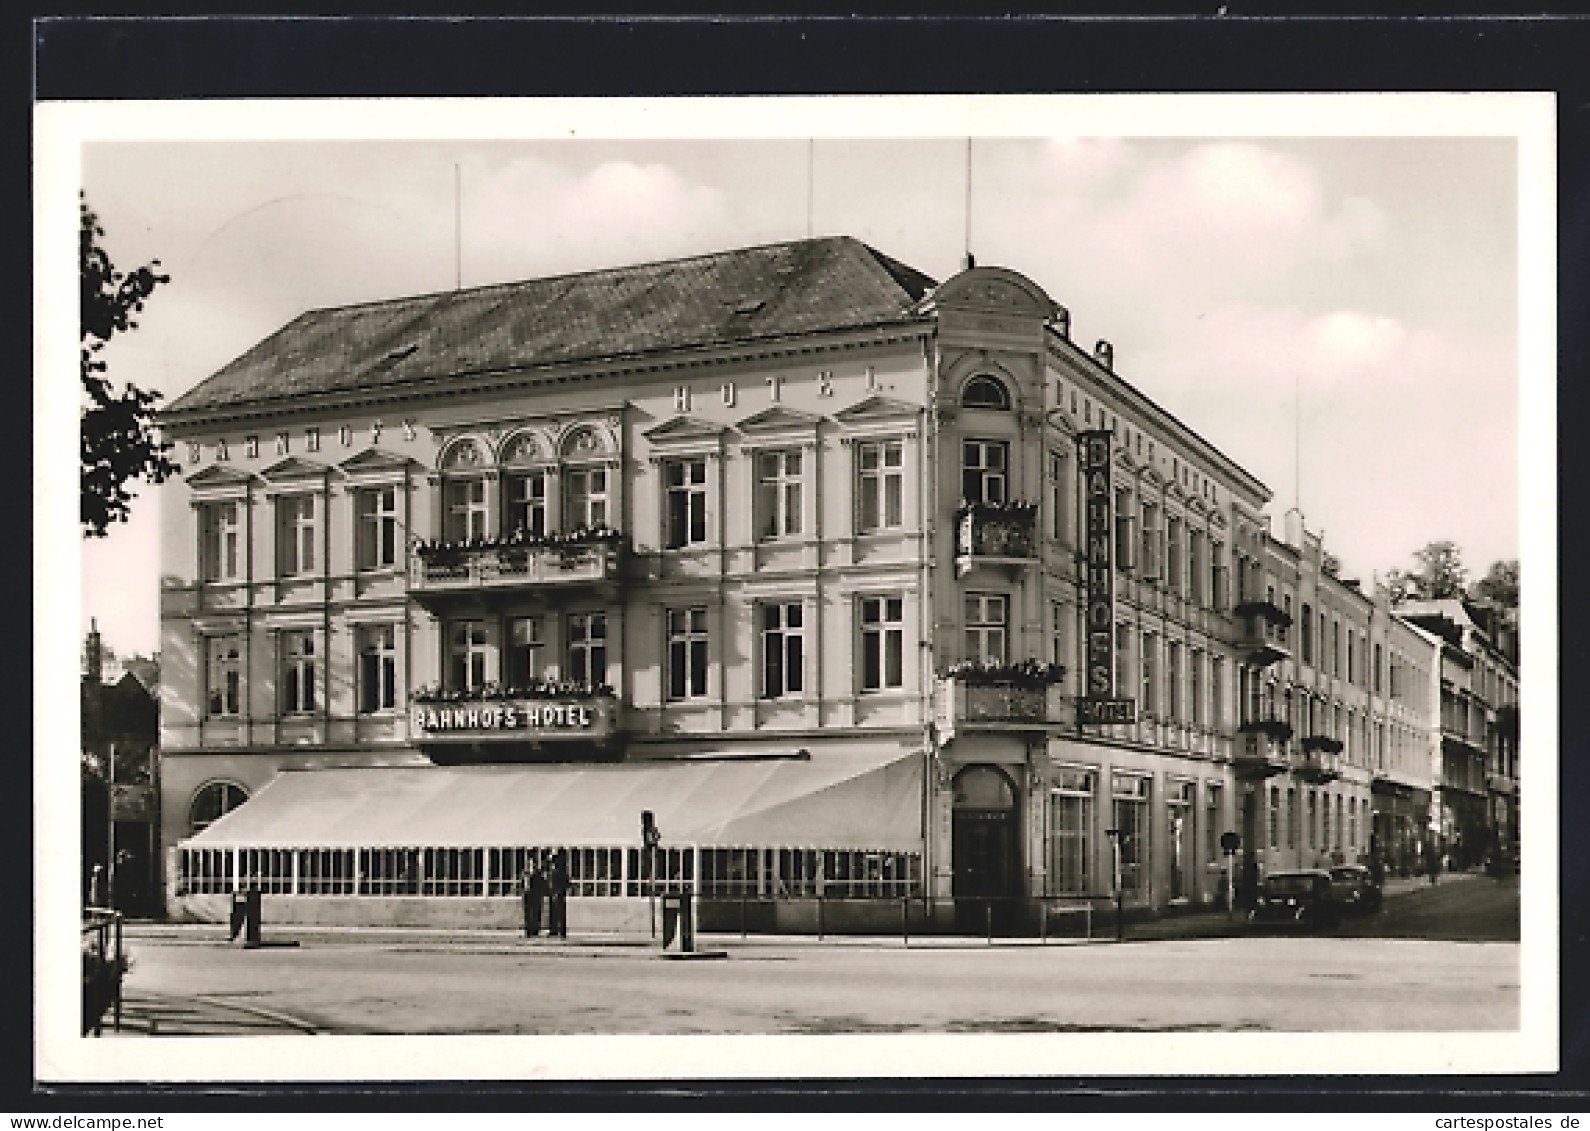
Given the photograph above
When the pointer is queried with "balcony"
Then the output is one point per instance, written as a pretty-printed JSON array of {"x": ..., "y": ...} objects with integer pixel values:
[
  {"x": 580, "y": 560},
  {"x": 995, "y": 534},
  {"x": 1260, "y": 750},
  {"x": 988, "y": 700},
  {"x": 509, "y": 725},
  {"x": 1262, "y": 632},
  {"x": 1318, "y": 759}
]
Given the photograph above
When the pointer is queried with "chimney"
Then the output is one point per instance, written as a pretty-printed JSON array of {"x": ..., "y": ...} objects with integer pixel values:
[
  {"x": 970, "y": 261},
  {"x": 1104, "y": 354},
  {"x": 93, "y": 653},
  {"x": 1062, "y": 322}
]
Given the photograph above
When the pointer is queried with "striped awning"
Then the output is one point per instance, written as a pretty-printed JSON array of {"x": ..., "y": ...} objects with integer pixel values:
[{"x": 857, "y": 798}]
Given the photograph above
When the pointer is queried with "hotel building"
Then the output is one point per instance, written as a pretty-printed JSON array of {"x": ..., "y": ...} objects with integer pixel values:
[{"x": 865, "y": 586}]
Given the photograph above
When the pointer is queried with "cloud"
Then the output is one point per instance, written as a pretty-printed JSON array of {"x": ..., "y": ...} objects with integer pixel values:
[{"x": 532, "y": 217}]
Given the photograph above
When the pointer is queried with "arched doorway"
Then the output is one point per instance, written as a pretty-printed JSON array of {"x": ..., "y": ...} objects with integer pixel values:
[{"x": 985, "y": 849}]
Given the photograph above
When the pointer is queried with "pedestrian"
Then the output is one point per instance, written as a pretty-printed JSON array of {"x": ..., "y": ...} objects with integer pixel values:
[
  {"x": 533, "y": 891},
  {"x": 1435, "y": 865},
  {"x": 558, "y": 892}
]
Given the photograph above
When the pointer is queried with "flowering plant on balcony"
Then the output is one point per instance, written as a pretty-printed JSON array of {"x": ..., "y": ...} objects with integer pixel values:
[
  {"x": 1278, "y": 729},
  {"x": 440, "y": 550},
  {"x": 1320, "y": 744},
  {"x": 1023, "y": 673},
  {"x": 496, "y": 692},
  {"x": 1013, "y": 509}
]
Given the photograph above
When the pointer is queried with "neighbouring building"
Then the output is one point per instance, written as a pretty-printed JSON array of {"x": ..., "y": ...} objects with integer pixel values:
[
  {"x": 119, "y": 791},
  {"x": 1474, "y": 813},
  {"x": 864, "y": 585}
]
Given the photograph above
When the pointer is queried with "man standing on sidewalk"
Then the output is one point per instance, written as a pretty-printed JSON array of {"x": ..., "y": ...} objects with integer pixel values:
[
  {"x": 558, "y": 890},
  {"x": 533, "y": 890}
]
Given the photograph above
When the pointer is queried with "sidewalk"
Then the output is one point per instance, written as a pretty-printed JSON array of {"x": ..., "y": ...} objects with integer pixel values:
[{"x": 170, "y": 1015}]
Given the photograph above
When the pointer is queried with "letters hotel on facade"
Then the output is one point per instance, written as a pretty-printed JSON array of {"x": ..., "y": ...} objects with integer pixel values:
[{"x": 866, "y": 586}]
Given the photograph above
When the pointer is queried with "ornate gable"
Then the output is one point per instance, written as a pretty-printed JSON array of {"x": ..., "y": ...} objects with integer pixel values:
[
  {"x": 685, "y": 429},
  {"x": 295, "y": 467},
  {"x": 215, "y": 477},
  {"x": 374, "y": 459},
  {"x": 993, "y": 290},
  {"x": 780, "y": 418}
]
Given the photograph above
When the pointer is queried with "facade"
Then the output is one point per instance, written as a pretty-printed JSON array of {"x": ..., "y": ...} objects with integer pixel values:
[
  {"x": 792, "y": 547},
  {"x": 1474, "y": 814}
]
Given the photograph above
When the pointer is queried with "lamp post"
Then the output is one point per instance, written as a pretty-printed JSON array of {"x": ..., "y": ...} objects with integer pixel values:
[{"x": 1117, "y": 839}]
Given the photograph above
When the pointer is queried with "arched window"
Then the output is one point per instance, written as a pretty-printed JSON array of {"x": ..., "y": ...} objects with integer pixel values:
[
  {"x": 524, "y": 487},
  {"x": 214, "y": 801},
  {"x": 985, "y": 392},
  {"x": 983, "y": 787},
  {"x": 465, "y": 507}
]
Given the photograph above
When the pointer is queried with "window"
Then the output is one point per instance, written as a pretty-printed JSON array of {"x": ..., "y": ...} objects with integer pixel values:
[
  {"x": 1352, "y": 657},
  {"x": 1214, "y": 818},
  {"x": 1336, "y": 644},
  {"x": 984, "y": 464},
  {"x": 1380, "y": 660},
  {"x": 686, "y": 482},
  {"x": 1275, "y": 817},
  {"x": 378, "y": 524},
  {"x": 1131, "y": 821},
  {"x": 377, "y": 668},
  {"x": 1125, "y": 531},
  {"x": 1151, "y": 537},
  {"x": 1196, "y": 696},
  {"x": 778, "y": 494},
  {"x": 1173, "y": 704},
  {"x": 985, "y": 392},
  {"x": 1292, "y": 821},
  {"x": 523, "y": 659},
  {"x": 300, "y": 673},
  {"x": 224, "y": 677},
  {"x": 214, "y": 801},
  {"x": 987, "y": 615},
  {"x": 1219, "y": 598},
  {"x": 1306, "y": 632},
  {"x": 587, "y": 497},
  {"x": 687, "y": 653},
  {"x": 526, "y": 503},
  {"x": 1150, "y": 673},
  {"x": 1060, "y": 654},
  {"x": 1180, "y": 834},
  {"x": 1217, "y": 690},
  {"x": 1059, "y": 513},
  {"x": 1197, "y": 563},
  {"x": 588, "y": 648},
  {"x": 221, "y": 539},
  {"x": 1173, "y": 561},
  {"x": 296, "y": 535},
  {"x": 881, "y": 485},
  {"x": 466, "y": 509},
  {"x": 1286, "y": 606},
  {"x": 468, "y": 651},
  {"x": 1071, "y": 831},
  {"x": 783, "y": 656},
  {"x": 882, "y": 643},
  {"x": 1123, "y": 661}
]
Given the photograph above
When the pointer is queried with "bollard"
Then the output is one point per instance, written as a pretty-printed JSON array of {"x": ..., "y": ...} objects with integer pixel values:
[
  {"x": 819, "y": 918},
  {"x": 1043, "y": 922},
  {"x": 905, "y": 919},
  {"x": 988, "y": 916}
]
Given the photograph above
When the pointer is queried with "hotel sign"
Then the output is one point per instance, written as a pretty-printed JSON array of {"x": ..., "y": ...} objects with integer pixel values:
[
  {"x": 1098, "y": 703},
  {"x": 524, "y": 719}
]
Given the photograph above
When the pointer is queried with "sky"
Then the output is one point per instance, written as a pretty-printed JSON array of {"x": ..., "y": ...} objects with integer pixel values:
[{"x": 1345, "y": 307}]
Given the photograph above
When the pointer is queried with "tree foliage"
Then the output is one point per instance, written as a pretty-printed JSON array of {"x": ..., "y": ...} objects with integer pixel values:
[
  {"x": 1439, "y": 573},
  {"x": 118, "y": 440},
  {"x": 1499, "y": 586}
]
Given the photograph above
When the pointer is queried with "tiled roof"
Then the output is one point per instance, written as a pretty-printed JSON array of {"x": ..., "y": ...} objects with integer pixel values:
[{"x": 754, "y": 293}]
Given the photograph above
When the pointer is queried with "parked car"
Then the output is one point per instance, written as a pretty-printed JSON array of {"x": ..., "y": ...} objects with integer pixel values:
[
  {"x": 1353, "y": 888},
  {"x": 1296, "y": 899}
]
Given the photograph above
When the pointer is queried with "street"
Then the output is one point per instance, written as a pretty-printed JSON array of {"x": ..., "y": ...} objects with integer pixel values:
[{"x": 189, "y": 980}]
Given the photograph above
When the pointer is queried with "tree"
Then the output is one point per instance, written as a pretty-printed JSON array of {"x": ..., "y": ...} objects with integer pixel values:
[
  {"x": 1439, "y": 574},
  {"x": 118, "y": 439},
  {"x": 1499, "y": 586}
]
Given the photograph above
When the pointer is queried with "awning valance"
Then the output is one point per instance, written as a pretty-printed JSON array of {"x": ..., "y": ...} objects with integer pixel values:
[{"x": 851, "y": 799}]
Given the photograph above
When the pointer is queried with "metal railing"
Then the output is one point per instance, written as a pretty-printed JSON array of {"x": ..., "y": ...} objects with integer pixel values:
[{"x": 104, "y": 964}]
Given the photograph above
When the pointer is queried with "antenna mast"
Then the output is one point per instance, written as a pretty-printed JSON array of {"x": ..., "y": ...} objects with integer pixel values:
[
  {"x": 968, "y": 237},
  {"x": 811, "y": 161},
  {"x": 458, "y": 229}
]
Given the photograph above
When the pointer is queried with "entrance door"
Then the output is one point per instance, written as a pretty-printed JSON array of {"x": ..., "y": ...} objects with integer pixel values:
[{"x": 984, "y": 851}]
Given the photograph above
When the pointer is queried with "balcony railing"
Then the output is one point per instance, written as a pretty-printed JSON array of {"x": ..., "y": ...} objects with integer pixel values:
[
  {"x": 995, "y": 534},
  {"x": 1260, "y": 749},
  {"x": 1262, "y": 634},
  {"x": 453, "y": 568},
  {"x": 1001, "y": 703},
  {"x": 1318, "y": 759},
  {"x": 579, "y": 716}
]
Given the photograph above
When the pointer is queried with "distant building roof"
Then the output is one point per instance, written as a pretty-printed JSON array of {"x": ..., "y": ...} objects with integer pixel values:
[{"x": 757, "y": 293}]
